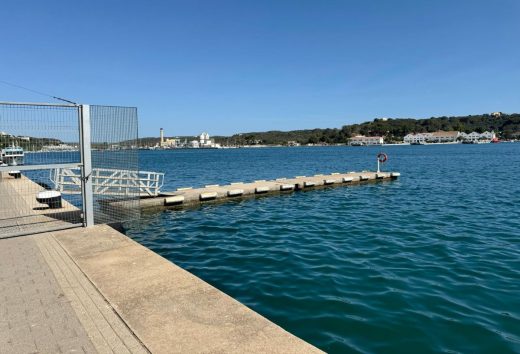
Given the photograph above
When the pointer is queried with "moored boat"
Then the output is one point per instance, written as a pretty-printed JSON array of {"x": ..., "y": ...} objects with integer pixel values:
[{"x": 12, "y": 156}]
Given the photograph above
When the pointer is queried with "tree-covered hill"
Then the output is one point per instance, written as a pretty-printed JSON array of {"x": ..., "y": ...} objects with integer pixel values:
[{"x": 507, "y": 126}]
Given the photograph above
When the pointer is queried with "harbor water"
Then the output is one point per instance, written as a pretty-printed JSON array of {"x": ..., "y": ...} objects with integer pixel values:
[{"x": 427, "y": 263}]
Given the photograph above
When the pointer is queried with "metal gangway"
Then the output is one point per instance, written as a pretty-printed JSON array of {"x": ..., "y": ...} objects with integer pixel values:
[{"x": 109, "y": 182}]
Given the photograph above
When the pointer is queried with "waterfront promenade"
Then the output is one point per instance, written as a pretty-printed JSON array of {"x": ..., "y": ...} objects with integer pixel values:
[
  {"x": 88, "y": 290},
  {"x": 95, "y": 290},
  {"x": 48, "y": 305}
]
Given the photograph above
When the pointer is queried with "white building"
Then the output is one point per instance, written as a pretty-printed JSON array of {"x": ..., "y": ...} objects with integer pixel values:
[
  {"x": 359, "y": 140},
  {"x": 419, "y": 138},
  {"x": 436, "y": 137},
  {"x": 444, "y": 136},
  {"x": 488, "y": 135},
  {"x": 206, "y": 142},
  {"x": 204, "y": 139},
  {"x": 476, "y": 137}
]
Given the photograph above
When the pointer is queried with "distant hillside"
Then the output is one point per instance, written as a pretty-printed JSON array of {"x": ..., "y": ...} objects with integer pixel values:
[{"x": 507, "y": 126}]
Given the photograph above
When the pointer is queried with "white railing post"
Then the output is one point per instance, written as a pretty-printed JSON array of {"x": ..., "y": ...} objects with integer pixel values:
[{"x": 86, "y": 162}]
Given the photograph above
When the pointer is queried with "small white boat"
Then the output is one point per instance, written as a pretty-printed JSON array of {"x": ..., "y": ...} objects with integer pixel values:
[{"x": 12, "y": 156}]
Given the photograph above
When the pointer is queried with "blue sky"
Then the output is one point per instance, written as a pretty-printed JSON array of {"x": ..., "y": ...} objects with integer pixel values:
[{"x": 236, "y": 66}]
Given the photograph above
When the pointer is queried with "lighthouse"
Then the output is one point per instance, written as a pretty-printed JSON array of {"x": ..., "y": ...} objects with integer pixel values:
[{"x": 162, "y": 136}]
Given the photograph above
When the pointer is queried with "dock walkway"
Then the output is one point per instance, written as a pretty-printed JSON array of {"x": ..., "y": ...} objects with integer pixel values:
[
  {"x": 187, "y": 197},
  {"x": 94, "y": 290}
]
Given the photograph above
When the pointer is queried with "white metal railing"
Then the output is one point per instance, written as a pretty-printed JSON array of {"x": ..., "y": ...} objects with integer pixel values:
[{"x": 109, "y": 181}]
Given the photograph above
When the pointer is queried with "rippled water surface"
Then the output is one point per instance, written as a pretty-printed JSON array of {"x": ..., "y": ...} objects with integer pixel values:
[{"x": 427, "y": 263}]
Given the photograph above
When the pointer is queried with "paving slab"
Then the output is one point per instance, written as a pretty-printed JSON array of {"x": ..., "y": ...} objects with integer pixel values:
[
  {"x": 35, "y": 314},
  {"x": 47, "y": 304}
]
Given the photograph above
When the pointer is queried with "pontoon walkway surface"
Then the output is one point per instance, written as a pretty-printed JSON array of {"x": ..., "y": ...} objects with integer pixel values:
[{"x": 188, "y": 197}]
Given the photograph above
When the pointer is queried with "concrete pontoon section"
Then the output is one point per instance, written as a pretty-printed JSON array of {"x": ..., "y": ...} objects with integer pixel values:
[
  {"x": 189, "y": 196},
  {"x": 167, "y": 308}
]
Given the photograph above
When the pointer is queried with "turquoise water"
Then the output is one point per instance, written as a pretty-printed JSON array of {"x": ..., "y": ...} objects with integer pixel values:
[{"x": 427, "y": 263}]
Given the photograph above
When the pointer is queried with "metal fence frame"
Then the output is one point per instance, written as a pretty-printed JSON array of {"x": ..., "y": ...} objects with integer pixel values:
[
  {"x": 85, "y": 164},
  {"x": 90, "y": 119}
]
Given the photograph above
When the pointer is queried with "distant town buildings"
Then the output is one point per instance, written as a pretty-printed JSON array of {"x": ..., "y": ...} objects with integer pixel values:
[
  {"x": 203, "y": 141},
  {"x": 360, "y": 140},
  {"x": 436, "y": 137},
  {"x": 168, "y": 143},
  {"x": 448, "y": 137},
  {"x": 60, "y": 147},
  {"x": 497, "y": 114}
]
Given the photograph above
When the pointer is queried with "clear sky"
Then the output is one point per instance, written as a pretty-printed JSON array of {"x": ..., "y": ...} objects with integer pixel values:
[{"x": 236, "y": 66}]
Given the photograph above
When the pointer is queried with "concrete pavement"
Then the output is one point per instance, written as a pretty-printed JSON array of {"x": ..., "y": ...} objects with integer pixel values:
[{"x": 47, "y": 305}]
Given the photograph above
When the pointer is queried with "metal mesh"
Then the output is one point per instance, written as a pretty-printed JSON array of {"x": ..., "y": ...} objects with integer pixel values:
[
  {"x": 41, "y": 177},
  {"x": 35, "y": 139},
  {"x": 116, "y": 180}
]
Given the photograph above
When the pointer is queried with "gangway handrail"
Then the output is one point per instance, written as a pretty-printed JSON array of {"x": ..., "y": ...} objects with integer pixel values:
[{"x": 109, "y": 181}]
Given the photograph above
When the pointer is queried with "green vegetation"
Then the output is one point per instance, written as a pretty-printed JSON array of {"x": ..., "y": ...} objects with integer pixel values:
[{"x": 507, "y": 126}]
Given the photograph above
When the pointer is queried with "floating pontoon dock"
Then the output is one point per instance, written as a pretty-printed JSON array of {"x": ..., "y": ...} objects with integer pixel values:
[{"x": 186, "y": 197}]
